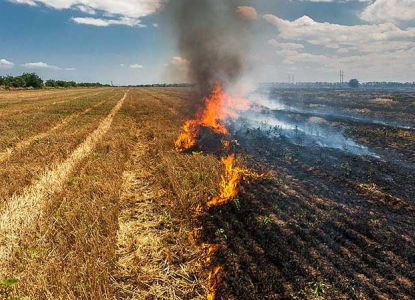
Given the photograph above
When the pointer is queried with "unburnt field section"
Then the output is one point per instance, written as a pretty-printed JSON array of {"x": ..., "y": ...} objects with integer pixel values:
[
  {"x": 95, "y": 202},
  {"x": 45, "y": 137},
  {"x": 116, "y": 213}
]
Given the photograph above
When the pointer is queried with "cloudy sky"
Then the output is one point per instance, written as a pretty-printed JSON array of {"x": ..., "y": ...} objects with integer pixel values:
[{"x": 131, "y": 41}]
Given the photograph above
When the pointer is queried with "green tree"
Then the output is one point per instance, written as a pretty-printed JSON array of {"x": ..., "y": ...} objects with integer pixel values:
[
  {"x": 71, "y": 83},
  {"x": 8, "y": 81},
  {"x": 354, "y": 83},
  {"x": 61, "y": 83},
  {"x": 32, "y": 80},
  {"x": 1, "y": 80},
  {"x": 18, "y": 81},
  {"x": 51, "y": 83}
]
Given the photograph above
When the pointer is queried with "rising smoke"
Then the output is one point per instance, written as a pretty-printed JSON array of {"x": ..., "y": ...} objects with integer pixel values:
[{"x": 214, "y": 38}]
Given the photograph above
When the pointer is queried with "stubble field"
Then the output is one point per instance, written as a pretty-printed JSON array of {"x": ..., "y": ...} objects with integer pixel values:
[{"x": 95, "y": 202}]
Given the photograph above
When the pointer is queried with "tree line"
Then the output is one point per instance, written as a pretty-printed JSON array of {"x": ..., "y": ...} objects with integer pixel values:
[{"x": 32, "y": 80}]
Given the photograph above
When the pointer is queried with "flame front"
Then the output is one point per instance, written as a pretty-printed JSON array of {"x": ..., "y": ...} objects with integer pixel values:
[
  {"x": 229, "y": 185},
  {"x": 213, "y": 281},
  {"x": 218, "y": 107}
]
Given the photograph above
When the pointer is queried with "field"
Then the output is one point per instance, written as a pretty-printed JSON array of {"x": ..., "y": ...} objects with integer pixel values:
[{"x": 96, "y": 203}]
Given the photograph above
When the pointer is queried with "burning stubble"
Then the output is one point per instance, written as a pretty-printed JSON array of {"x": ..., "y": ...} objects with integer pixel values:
[{"x": 213, "y": 38}]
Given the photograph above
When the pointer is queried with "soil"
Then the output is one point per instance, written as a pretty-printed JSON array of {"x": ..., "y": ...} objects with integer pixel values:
[{"x": 323, "y": 223}]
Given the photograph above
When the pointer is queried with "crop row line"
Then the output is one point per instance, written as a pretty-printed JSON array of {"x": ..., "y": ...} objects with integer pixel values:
[
  {"x": 26, "y": 143},
  {"x": 22, "y": 210}
]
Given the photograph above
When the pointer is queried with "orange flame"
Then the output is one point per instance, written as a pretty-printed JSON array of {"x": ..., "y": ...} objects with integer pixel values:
[
  {"x": 218, "y": 107},
  {"x": 229, "y": 185},
  {"x": 209, "y": 249},
  {"x": 213, "y": 281}
]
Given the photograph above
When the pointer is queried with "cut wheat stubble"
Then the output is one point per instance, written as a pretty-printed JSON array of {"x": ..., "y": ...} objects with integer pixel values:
[
  {"x": 26, "y": 143},
  {"x": 22, "y": 210}
]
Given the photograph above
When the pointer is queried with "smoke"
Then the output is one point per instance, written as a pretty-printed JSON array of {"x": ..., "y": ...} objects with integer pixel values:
[
  {"x": 271, "y": 118},
  {"x": 213, "y": 37}
]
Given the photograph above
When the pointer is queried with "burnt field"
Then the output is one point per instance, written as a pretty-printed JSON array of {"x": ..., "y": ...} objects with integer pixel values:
[{"x": 333, "y": 216}]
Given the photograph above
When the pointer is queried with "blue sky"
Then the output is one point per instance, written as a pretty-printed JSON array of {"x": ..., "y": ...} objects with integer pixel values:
[{"x": 131, "y": 41}]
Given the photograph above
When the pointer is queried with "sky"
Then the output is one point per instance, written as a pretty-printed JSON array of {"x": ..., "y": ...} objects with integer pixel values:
[{"x": 132, "y": 42}]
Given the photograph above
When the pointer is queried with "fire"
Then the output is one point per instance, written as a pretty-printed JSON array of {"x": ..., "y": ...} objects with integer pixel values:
[
  {"x": 230, "y": 181},
  {"x": 213, "y": 281},
  {"x": 218, "y": 107}
]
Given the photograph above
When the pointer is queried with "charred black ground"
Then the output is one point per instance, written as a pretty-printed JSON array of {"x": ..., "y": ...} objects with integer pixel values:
[{"x": 325, "y": 223}]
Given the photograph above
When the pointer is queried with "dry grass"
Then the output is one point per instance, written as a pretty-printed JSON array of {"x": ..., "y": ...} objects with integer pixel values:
[
  {"x": 152, "y": 262},
  {"x": 106, "y": 213},
  {"x": 26, "y": 143},
  {"x": 157, "y": 260},
  {"x": 28, "y": 160},
  {"x": 25, "y": 100},
  {"x": 21, "y": 211},
  {"x": 22, "y": 119}
]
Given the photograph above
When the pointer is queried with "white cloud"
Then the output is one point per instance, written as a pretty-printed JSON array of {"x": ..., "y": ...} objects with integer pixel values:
[
  {"x": 376, "y": 51},
  {"x": 177, "y": 70},
  {"x": 136, "y": 66},
  {"x": 247, "y": 13},
  {"x": 288, "y": 46},
  {"x": 342, "y": 50},
  {"x": 107, "y": 22},
  {"x": 366, "y": 38},
  {"x": 389, "y": 11},
  {"x": 28, "y": 2},
  {"x": 122, "y": 65},
  {"x": 40, "y": 65},
  {"x": 86, "y": 9},
  {"x": 122, "y": 12},
  {"x": 156, "y": 25},
  {"x": 129, "y": 8},
  {"x": 5, "y": 64}
]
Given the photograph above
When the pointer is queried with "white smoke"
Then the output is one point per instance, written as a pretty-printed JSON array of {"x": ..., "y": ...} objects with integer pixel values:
[{"x": 276, "y": 119}]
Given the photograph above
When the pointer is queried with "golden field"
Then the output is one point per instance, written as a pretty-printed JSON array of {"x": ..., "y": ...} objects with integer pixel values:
[{"x": 91, "y": 203}]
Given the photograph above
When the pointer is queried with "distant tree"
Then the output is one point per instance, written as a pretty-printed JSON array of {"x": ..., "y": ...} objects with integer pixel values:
[
  {"x": 354, "y": 83},
  {"x": 61, "y": 83},
  {"x": 32, "y": 80},
  {"x": 18, "y": 81},
  {"x": 8, "y": 81},
  {"x": 51, "y": 83},
  {"x": 71, "y": 84}
]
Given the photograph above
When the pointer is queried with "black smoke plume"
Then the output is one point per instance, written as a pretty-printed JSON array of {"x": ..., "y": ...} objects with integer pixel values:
[{"x": 214, "y": 38}]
